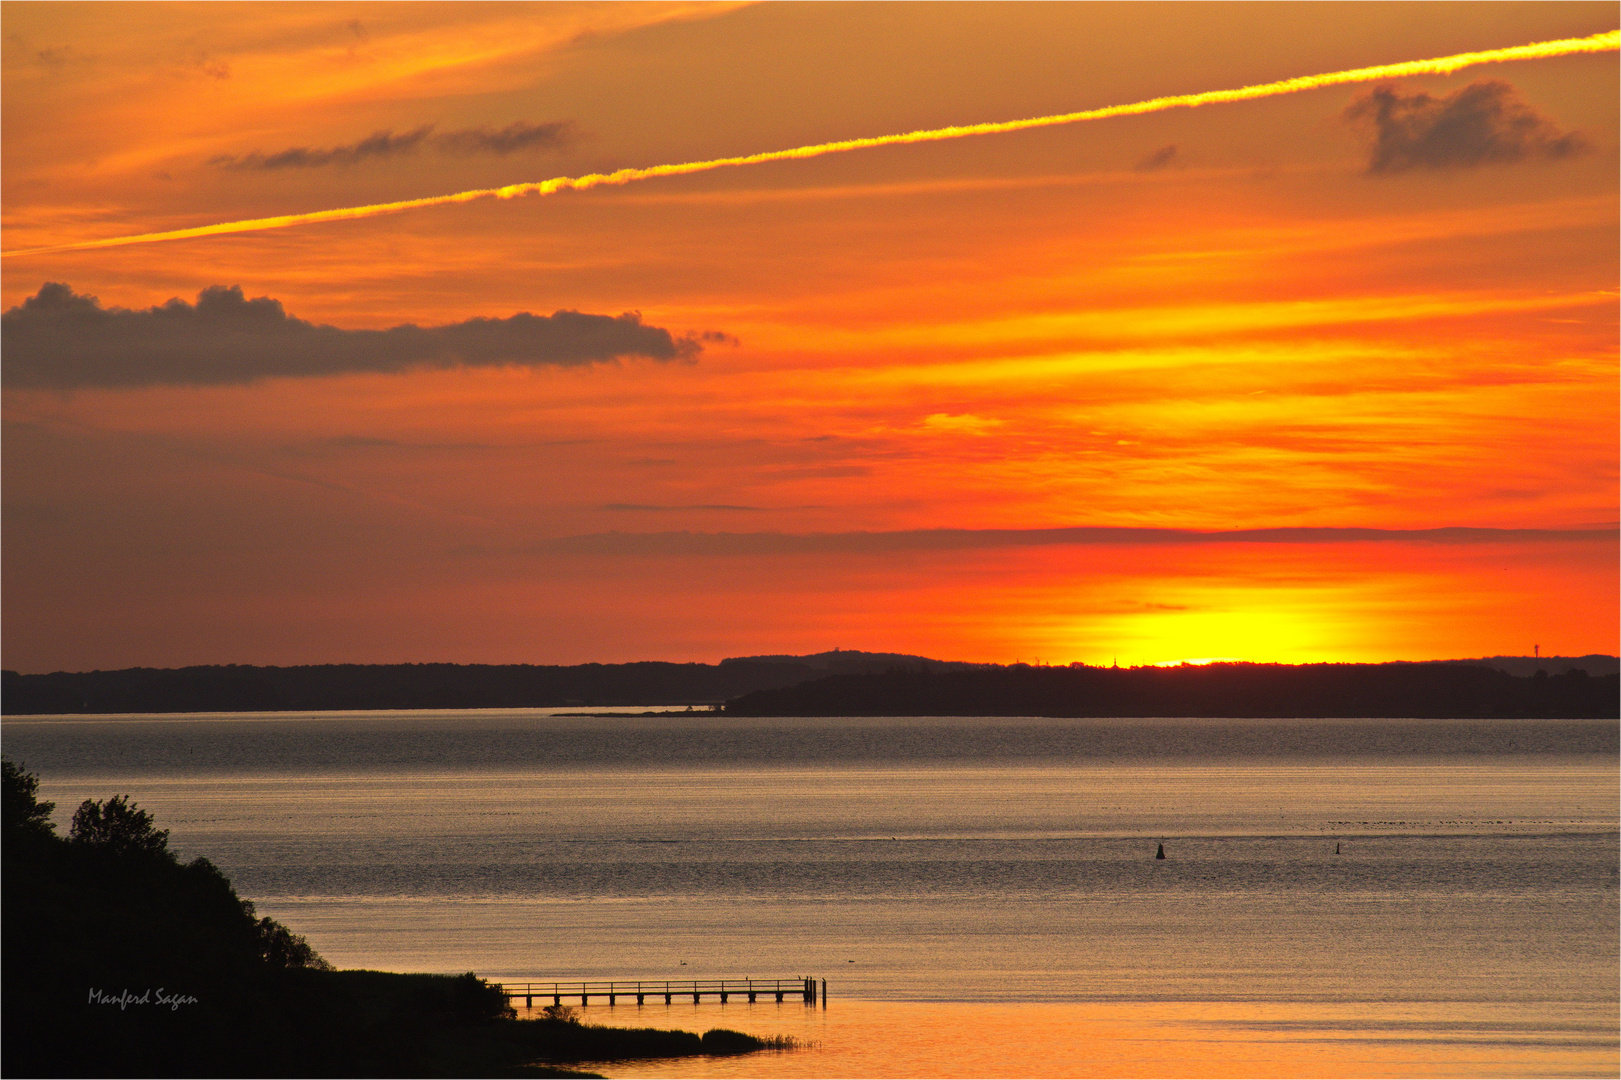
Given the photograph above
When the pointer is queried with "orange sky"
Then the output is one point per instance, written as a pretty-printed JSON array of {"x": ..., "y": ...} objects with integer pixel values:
[{"x": 1213, "y": 320}]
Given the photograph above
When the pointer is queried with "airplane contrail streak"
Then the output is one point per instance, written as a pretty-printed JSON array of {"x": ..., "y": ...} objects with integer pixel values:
[{"x": 1609, "y": 41}]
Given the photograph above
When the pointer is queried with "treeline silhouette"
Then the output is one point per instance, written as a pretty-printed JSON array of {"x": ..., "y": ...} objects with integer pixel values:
[
  {"x": 121, "y": 960},
  {"x": 1213, "y": 690},
  {"x": 245, "y": 688},
  {"x": 848, "y": 682}
]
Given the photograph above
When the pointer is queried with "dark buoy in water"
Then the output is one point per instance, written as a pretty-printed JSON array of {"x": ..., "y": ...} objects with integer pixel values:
[
  {"x": 1160, "y": 854},
  {"x": 1336, "y": 849}
]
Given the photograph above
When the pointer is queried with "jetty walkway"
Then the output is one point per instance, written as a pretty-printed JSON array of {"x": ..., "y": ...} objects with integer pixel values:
[{"x": 556, "y": 993}]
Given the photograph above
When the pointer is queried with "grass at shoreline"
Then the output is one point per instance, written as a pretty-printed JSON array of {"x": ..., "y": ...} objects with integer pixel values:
[{"x": 545, "y": 1046}]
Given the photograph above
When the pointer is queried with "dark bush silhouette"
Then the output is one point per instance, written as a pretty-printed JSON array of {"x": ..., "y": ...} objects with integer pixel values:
[
  {"x": 120, "y": 960},
  {"x": 103, "y": 926}
]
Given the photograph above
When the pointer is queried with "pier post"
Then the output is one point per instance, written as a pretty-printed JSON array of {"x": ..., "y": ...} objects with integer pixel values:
[
  {"x": 824, "y": 993},
  {"x": 585, "y": 999},
  {"x": 695, "y": 995},
  {"x": 610, "y": 1000},
  {"x": 638, "y": 999}
]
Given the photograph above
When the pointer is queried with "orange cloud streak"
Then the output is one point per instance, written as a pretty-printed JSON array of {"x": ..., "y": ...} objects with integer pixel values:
[{"x": 1609, "y": 41}]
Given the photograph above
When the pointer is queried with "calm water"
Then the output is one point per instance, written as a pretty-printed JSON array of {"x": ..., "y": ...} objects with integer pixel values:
[{"x": 981, "y": 895}]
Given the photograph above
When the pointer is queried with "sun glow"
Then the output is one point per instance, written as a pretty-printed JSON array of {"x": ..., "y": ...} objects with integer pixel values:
[
  {"x": 1201, "y": 661},
  {"x": 1263, "y": 626}
]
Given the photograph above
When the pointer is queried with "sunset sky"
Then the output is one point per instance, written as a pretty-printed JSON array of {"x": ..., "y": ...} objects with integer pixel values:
[{"x": 1188, "y": 385}]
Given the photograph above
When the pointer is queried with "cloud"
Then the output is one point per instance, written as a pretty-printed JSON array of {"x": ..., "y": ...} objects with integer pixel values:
[
  {"x": 963, "y": 424},
  {"x": 1485, "y": 123},
  {"x": 60, "y": 340},
  {"x": 1159, "y": 159},
  {"x": 381, "y": 144},
  {"x": 513, "y": 137},
  {"x": 654, "y": 508},
  {"x": 690, "y": 543},
  {"x": 57, "y": 58}
]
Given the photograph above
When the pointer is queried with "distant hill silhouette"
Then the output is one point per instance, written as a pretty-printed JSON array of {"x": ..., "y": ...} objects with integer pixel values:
[
  {"x": 329, "y": 687},
  {"x": 846, "y": 660}
]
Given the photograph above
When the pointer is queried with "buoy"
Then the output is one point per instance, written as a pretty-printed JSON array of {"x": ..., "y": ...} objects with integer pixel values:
[
  {"x": 1161, "y": 853},
  {"x": 1336, "y": 849}
]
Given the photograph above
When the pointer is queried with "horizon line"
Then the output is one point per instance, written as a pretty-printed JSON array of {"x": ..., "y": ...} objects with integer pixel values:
[{"x": 1035, "y": 663}]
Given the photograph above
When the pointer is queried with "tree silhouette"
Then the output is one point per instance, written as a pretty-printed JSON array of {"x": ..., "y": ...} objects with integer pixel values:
[
  {"x": 281, "y": 948},
  {"x": 20, "y": 809},
  {"x": 117, "y": 826}
]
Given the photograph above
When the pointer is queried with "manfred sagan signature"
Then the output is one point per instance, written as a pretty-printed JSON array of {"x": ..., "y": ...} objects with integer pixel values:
[{"x": 125, "y": 998}]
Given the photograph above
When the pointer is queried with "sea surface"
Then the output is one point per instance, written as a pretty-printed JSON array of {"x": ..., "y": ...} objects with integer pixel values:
[{"x": 1338, "y": 897}]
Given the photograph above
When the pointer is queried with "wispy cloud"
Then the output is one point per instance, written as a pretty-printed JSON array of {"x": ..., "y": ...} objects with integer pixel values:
[
  {"x": 1485, "y": 123},
  {"x": 1159, "y": 159},
  {"x": 379, "y": 144},
  {"x": 59, "y": 339},
  {"x": 655, "y": 508},
  {"x": 383, "y": 144},
  {"x": 507, "y": 140}
]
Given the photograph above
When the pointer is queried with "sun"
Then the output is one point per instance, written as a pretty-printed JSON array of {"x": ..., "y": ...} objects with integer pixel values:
[{"x": 1212, "y": 624}]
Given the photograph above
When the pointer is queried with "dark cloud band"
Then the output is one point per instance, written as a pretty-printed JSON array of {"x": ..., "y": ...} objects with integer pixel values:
[
  {"x": 690, "y": 543},
  {"x": 59, "y": 339}
]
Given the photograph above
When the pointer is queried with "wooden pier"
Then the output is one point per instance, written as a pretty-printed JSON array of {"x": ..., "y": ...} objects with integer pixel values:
[{"x": 558, "y": 993}]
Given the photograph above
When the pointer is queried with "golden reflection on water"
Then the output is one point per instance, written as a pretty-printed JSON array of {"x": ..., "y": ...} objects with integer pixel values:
[{"x": 1144, "y": 1039}]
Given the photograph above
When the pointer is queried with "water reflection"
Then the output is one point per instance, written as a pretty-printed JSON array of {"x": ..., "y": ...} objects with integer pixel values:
[{"x": 1162, "y": 1039}]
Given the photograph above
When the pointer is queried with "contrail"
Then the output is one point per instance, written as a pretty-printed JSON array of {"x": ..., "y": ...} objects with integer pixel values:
[{"x": 1609, "y": 41}]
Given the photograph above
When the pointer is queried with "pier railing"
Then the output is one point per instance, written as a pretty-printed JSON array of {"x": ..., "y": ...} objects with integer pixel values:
[{"x": 671, "y": 990}]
